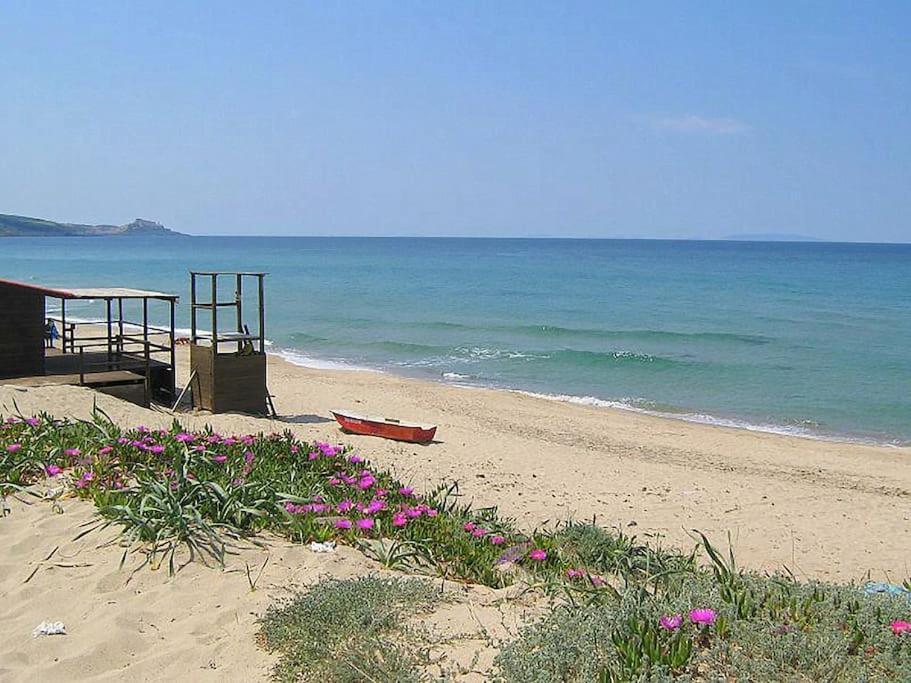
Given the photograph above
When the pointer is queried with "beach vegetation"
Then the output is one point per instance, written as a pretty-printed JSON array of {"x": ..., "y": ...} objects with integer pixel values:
[
  {"x": 623, "y": 608},
  {"x": 351, "y": 630}
]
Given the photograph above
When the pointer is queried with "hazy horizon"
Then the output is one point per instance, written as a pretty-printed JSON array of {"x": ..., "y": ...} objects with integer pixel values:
[{"x": 512, "y": 120}]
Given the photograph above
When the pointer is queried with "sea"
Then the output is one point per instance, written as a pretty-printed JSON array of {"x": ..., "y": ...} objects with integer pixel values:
[{"x": 808, "y": 338}]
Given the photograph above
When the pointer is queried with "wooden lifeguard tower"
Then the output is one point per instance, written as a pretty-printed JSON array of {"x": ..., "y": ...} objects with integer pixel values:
[{"x": 228, "y": 363}]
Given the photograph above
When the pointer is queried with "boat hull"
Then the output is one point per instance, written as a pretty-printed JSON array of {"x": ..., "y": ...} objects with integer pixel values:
[{"x": 385, "y": 429}]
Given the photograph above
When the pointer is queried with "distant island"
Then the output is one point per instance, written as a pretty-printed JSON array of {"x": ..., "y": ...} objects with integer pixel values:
[
  {"x": 771, "y": 237},
  {"x": 23, "y": 226}
]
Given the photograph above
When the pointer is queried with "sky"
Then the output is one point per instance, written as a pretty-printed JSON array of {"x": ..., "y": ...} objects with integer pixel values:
[{"x": 575, "y": 119}]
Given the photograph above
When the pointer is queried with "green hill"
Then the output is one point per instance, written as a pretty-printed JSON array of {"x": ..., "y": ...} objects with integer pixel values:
[{"x": 23, "y": 226}]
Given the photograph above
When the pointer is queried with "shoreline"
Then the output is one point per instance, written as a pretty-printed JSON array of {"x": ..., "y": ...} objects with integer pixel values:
[{"x": 303, "y": 359}]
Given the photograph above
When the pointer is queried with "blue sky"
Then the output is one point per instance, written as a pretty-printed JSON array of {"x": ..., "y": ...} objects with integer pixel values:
[{"x": 598, "y": 119}]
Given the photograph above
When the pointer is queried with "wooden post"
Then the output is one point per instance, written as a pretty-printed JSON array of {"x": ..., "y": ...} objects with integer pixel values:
[
  {"x": 63, "y": 324},
  {"x": 239, "y": 301},
  {"x": 173, "y": 360},
  {"x": 262, "y": 318},
  {"x": 110, "y": 332},
  {"x": 120, "y": 322},
  {"x": 215, "y": 314},
  {"x": 192, "y": 307}
]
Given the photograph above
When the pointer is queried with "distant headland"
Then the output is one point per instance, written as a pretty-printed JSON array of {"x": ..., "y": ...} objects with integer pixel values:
[{"x": 23, "y": 226}]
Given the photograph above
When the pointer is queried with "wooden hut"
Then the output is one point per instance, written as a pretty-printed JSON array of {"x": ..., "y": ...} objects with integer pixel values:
[{"x": 130, "y": 358}]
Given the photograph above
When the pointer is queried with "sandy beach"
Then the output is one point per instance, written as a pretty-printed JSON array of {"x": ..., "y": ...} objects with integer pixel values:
[{"x": 824, "y": 510}]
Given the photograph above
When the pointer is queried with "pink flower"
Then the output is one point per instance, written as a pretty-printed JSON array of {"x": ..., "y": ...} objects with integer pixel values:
[
  {"x": 671, "y": 622},
  {"x": 84, "y": 480},
  {"x": 399, "y": 519},
  {"x": 32, "y": 421},
  {"x": 52, "y": 470},
  {"x": 365, "y": 523},
  {"x": 219, "y": 458},
  {"x": 366, "y": 482},
  {"x": 468, "y": 526},
  {"x": 295, "y": 450},
  {"x": 497, "y": 540},
  {"x": 575, "y": 573},
  {"x": 704, "y": 616},
  {"x": 479, "y": 531},
  {"x": 343, "y": 524},
  {"x": 157, "y": 449},
  {"x": 105, "y": 450},
  {"x": 899, "y": 627},
  {"x": 72, "y": 452},
  {"x": 355, "y": 459},
  {"x": 13, "y": 447},
  {"x": 345, "y": 506},
  {"x": 374, "y": 507},
  {"x": 183, "y": 437},
  {"x": 406, "y": 491},
  {"x": 538, "y": 555},
  {"x": 249, "y": 457}
]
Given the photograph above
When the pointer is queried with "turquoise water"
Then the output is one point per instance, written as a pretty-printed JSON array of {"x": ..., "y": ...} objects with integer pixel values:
[{"x": 811, "y": 338}]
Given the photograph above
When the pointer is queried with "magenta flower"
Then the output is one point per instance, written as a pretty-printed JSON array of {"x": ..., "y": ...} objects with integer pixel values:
[
  {"x": 374, "y": 507},
  {"x": 105, "y": 450},
  {"x": 183, "y": 437},
  {"x": 899, "y": 627},
  {"x": 295, "y": 450},
  {"x": 399, "y": 519},
  {"x": 704, "y": 616},
  {"x": 469, "y": 526},
  {"x": 52, "y": 470},
  {"x": 479, "y": 532},
  {"x": 84, "y": 480},
  {"x": 406, "y": 491},
  {"x": 249, "y": 457},
  {"x": 365, "y": 523},
  {"x": 13, "y": 447},
  {"x": 355, "y": 459},
  {"x": 343, "y": 524},
  {"x": 219, "y": 458},
  {"x": 345, "y": 506},
  {"x": 32, "y": 421},
  {"x": 497, "y": 540},
  {"x": 575, "y": 573},
  {"x": 538, "y": 555},
  {"x": 72, "y": 452},
  {"x": 366, "y": 482},
  {"x": 671, "y": 622},
  {"x": 157, "y": 449}
]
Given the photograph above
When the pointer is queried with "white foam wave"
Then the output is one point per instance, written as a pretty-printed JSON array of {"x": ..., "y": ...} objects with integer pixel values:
[
  {"x": 305, "y": 361},
  {"x": 701, "y": 418}
]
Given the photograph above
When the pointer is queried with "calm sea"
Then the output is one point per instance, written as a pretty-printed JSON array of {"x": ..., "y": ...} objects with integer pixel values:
[{"x": 809, "y": 338}]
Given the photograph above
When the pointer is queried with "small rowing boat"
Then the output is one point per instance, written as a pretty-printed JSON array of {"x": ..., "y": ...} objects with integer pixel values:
[{"x": 385, "y": 427}]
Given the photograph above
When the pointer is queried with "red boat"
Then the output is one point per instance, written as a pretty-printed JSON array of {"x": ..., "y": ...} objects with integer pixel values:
[{"x": 387, "y": 427}]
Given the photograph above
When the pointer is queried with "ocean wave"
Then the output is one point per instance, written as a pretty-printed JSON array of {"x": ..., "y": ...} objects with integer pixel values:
[
  {"x": 638, "y": 406},
  {"x": 306, "y": 361}
]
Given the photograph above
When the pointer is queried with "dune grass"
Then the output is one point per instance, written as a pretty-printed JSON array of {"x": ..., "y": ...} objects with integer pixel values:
[{"x": 622, "y": 609}]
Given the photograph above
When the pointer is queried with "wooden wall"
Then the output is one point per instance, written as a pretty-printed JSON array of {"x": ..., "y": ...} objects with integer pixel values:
[
  {"x": 21, "y": 332},
  {"x": 228, "y": 383}
]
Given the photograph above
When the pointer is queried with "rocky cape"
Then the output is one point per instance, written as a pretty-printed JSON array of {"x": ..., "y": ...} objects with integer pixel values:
[{"x": 23, "y": 226}]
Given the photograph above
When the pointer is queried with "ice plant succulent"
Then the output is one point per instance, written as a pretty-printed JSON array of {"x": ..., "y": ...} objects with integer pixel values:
[
  {"x": 900, "y": 627},
  {"x": 703, "y": 616},
  {"x": 671, "y": 622}
]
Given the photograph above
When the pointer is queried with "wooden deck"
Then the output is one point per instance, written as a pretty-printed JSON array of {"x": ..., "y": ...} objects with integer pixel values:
[{"x": 63, "y": 368}]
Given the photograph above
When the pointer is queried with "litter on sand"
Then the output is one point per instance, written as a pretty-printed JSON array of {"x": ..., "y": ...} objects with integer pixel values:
[
  {"x": 49, "y": 628},
  {"x": 327, "y": 547}
]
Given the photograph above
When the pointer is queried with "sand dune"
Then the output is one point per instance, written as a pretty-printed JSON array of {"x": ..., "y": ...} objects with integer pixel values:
[{"x": 826, "y": 510}]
